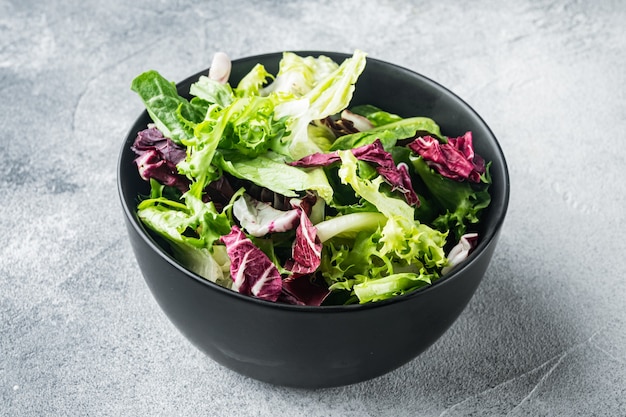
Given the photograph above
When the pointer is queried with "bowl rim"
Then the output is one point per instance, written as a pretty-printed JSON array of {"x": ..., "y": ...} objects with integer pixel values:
[{"x": 483, "y": 243}]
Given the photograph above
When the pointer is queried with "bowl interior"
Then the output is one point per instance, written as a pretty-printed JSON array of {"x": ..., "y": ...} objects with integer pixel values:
[{"x": 387, "y": 86}]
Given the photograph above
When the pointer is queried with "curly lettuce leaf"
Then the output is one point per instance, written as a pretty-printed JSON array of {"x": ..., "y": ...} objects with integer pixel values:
[
  {"x": 247, "y": 126},
  {"x": 400, "y": 245},
  {"x": 252, "y": 82}
]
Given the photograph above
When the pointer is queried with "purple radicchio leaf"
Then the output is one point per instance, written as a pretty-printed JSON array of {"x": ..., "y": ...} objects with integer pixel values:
[
  {"x": 306, "y": 252},
  {"x": 397, "y": 177},
  {"x": 301, "y": 287},
  {"x": 304, "y": 290},
  {"x": 455, "y": 159},
  {"x": 157, "y": 157},
  {"x": 253, "y": 273}
]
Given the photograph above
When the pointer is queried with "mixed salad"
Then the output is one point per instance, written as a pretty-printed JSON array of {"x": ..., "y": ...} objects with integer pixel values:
[{"x": 276, "y": 188}]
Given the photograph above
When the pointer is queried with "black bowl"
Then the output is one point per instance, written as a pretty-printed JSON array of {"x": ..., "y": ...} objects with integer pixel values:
[{"x": 322, "y": 346}]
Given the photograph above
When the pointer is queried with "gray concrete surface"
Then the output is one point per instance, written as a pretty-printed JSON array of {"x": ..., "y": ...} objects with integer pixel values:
[{"x": 546, "y": 332}]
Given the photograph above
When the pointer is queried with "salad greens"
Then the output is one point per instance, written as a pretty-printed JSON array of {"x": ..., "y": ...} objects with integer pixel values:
[{"x": 278, "y": 189}]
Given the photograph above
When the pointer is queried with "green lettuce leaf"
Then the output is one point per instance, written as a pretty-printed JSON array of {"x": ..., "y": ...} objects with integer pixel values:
[
  {"x": 246, "y": 125},
  {"x": 327, "y": 96},
  {"x": 191, "y": 228},
  {"x": 270, "y": 171},
  {"x": 170, "y": 112},
  {"x": 252, "y": 82},
  {"x": 298, "y": 75},
  {"x": 211, "y": 91},
  {"x": 386, "y": 243}
]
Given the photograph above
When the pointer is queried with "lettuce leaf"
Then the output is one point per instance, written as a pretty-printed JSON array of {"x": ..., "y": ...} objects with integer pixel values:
[
  {"x": 169, "y": 111},
  {"x": 298, "y": 75},
  {"x": 270, "y": 171},
  {"x": 212, "y": 91},
  {"x": 191, "y": 228},
  {"x": 400, "y": 245},
  {"x": 317, "y": 98},
  {"x": 396, "y": 176},
  {"x": 369, "y": 189}
]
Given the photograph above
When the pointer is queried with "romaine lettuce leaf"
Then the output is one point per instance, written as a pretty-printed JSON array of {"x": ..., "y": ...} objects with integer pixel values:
[
  {"x": 270, "y": 171},
  {"x": 170, "y": 112}
]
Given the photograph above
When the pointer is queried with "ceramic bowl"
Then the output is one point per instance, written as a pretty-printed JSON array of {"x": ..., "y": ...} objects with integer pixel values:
[{"x": 329, "y": 346}]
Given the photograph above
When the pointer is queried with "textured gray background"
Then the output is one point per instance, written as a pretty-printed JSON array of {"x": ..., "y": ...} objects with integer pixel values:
[{"x": 546, "y": 332}]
